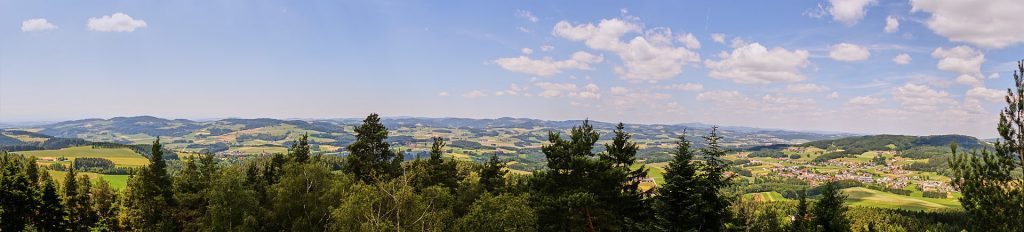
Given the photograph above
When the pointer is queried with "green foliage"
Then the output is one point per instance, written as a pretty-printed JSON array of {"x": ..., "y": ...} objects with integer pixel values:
[
  {"x": 692, "y": 197},
  {"x": 303, "y": 198},
  {"x": 51, "y": 215},
  {"x": 149, "y": 196},
  {"x": 505, "y": 212},
  {"x": 19, "y": 191},
  {"x": 77, "y": 201},
  {"x": 492, "y": 175},
  {"x": 371, "y": 157},
  {"x": 191, "y": 186},
  {"x": 436, "y": 170},
  {"x": 300, "y": 149},
  {"x": 829, "y": 212},
  {"x": 993, "y": 195},
  {"x": 392, "y": 206}
]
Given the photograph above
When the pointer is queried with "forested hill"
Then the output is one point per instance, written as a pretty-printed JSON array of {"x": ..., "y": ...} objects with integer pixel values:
[{"x": 898, "y": 142}]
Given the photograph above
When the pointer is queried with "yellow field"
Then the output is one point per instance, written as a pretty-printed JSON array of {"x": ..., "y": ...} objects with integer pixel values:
[{"x": 120, "y": 156}]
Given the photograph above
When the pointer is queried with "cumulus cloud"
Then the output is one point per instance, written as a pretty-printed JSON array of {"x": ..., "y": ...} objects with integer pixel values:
[
  {"x": 902, "y": 58},
  {"x": 865, "y": 101},
  {"x": 849, "y": 11},
  {"x": 37, "y": 25},
  {"x": 963, "y": 60},
  {"x": 848, "y": 52},
  {"x": 117, "y": 22},
  {"x": 474, "y": 94},
  {"x": 547, "y": 48},
  {"x": 525, "y": 14},
  {"x": 548, "y": 66},
  {"x": 549, "y": 89},
  {"x": 689, "y": 41},
  {"x": 722, "y": 96},
  {"x": 689, "y": 87},
  {"x": 513, "y": 90},
  {"x": 590, "y": 91},
  {"x": 985, "y": 23},
  {"x": 443, "y": 94},
  {"x": 892, "y": 24},
  {"x": 755, "y": 64},
  {"x": 920, "y": 97},
  {"x": 622, "y": 96},
  {"x": 718, "y": 38},
  {"x": 805, "y": 88},
  {"x": 992, "y": 95},
  {"x": 527, "y": 51},
  {"x": 833, "y": 95},
  {"x": 650, "y": 56},
  {"x": 778, "y": 103}
]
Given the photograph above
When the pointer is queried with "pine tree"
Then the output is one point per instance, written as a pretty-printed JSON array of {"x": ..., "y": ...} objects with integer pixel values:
[
  {"x": 630, "y": 203},
  {"x": 801, "y": 219},
  {"x": 714, "y": 212},
  {"x": 438, "y": 171},
  {"x": 299, "y": 151},
  {"x": 371, "y": 157},
  {"x": 52, "y": 215},
  {"x": 829, "y": 212},
  {"x": 149, "y": 196},
  {"x": 492, "y": 175},
  {"x": 76, "y": 200},
  {"x": 991, "y": 184},
  {"x": 678, "y": 205},
  {"x": 103, "y": 203},
  {"x": 191, "y": 187},
  {"x": 18, "y": 193}
]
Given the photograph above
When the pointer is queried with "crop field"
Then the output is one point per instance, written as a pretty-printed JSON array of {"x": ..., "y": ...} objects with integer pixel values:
[
  {"x": 123, "y": 157},
  {"x": 859, "y": 196},
  {"x": 116, "y": 181}
]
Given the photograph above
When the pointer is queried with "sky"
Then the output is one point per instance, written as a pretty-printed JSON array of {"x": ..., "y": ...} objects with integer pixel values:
[{"x": 914, "y": 67}]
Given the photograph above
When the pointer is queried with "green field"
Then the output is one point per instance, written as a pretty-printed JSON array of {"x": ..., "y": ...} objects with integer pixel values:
[
  {"x": 120, "y": 156},
  {"x": 859, "y": 196},
  {"x": 116, "y": 181},
  {"x": 765, "y": 196}
]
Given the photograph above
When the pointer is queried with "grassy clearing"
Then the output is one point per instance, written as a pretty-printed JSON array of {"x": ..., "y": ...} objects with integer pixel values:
[
  {"x": 765, "y": 197},
  {"x": 859, "y": 196},
  {"x": 120, "y": 156},
  {"x": 116, "y": 181}
]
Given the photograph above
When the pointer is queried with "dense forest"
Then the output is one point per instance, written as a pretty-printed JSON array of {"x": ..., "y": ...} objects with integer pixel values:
[{"x": 375, "y": 189}]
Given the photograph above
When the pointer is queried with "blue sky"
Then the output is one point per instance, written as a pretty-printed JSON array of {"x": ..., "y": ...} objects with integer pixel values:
[{"x": 906, "y": 67}]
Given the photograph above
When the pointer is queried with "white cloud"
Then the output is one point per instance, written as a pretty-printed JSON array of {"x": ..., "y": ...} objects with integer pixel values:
[
  {"x": 689, "y": 41},
  {"x": 805, "y": 88},
  {"x": 718, "y": 38},
  {"x": 993, "y": 76},
  {"x": 849, "y": 11},
  {"x": 920, "y": 97},
  {"x": 443, "y": 94},
  {"x": 650, "y": 56},
  {"x": 590, "y": 91},
  {"x": 985, "y": 23},
  {"x": 689, "y": 87},
  {"x": 993, "y": 95},
  {"x": 527, "y": 51},
  {"x": 547, "y": 66},
  {"x": 970, "y": 80},
  {"x": 848, "y": 52},
  {"x": 37, "y": 25},
  {"x": 117, "y": 22},
  {"x": 523, "y": 29},
  {"x": 549, "y": 89},
  {"x": 755, "y": 64},
  {"x": 622, "y": 96},
  {"x": 892, "y": 24},
  {"x": 722, "y": 96},
  {"x": 782, "y": 104},
  {"x": 902, "y": 58},
  {"x": 513, "y": 90},
  {"x": 865, "y": 101},
  {"x": 960, "y": 59},
  {"x": 527, "y": 15},
  {"x": 833, "y": 95},
  {"x": 474, "y": 94},
  {"x": 547, "y": 48}
]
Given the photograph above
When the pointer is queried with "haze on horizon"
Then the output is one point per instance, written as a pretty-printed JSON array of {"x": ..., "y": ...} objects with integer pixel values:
[{"x": 863, "y": 66}]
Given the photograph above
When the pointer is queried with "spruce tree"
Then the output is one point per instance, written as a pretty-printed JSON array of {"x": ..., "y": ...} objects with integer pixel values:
[
  {"x": 679, "y": 201},
  {"x": 149, "y": 196},
  {"x": 18, "y": 194},
  {"x": 191, "y": 189},
  {"x": 492, "y": 175},
  {"x": 801, "y": 220},
  {"x": 829, "y": 212},
  {"x": 371, "y": 158},
  {"x": 438, "y": 170},
  {"x": 714, "y": 212},
  {"x": 991, "y": 182},
  {"x": 630, "y": 203},
  {"x": 299, "y": 151},
  {"x": 76, "y": 200},
  {"x": 51, "y": 215}
]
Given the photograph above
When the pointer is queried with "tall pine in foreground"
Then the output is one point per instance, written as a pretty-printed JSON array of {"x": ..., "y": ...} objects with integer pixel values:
[
  {"x": 829, "y": 212},
  {"x": 992, "y": 186},
  {"x": 299, "y": 152},
  {"x": 677, "y": 206},
  {"x": 149, "y": 196},
  {"x": 76, "y": 200},
  {"x": 630, "y": 203},
  {"x": 19, "y": 192},
  {"x": 437, "y": 170},
  {"x": 371, "y": 158},
  {"x": 492, "y": 175},
  {"x": 715, "y": 203},
  {"x": 51, "y": 215}
]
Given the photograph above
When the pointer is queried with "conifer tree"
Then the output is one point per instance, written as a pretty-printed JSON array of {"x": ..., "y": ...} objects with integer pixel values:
[
  {"x": 191, "y": 187},
  {"x": 103, "y": 199},
  {"x": 51, "y": 215},
  {"x": 801, "y": 220},
  {"x": 299, "y": 151},
  {"x": 829, "y": 212},
  {"x": 991, "y": 183},
  {"x": 371, "y": 157},
  {"x": 438, "y": 171},
  {"x": 714, "y": 212},
  {"x": 679, "y": 201},
  {"x": 149, "y": 196},
  {"x": 630, "y": 203},
  {"x": 76, "y": 200},
  {"x": 492, "y": 175},
  {"x": 18, "y": 194}
]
